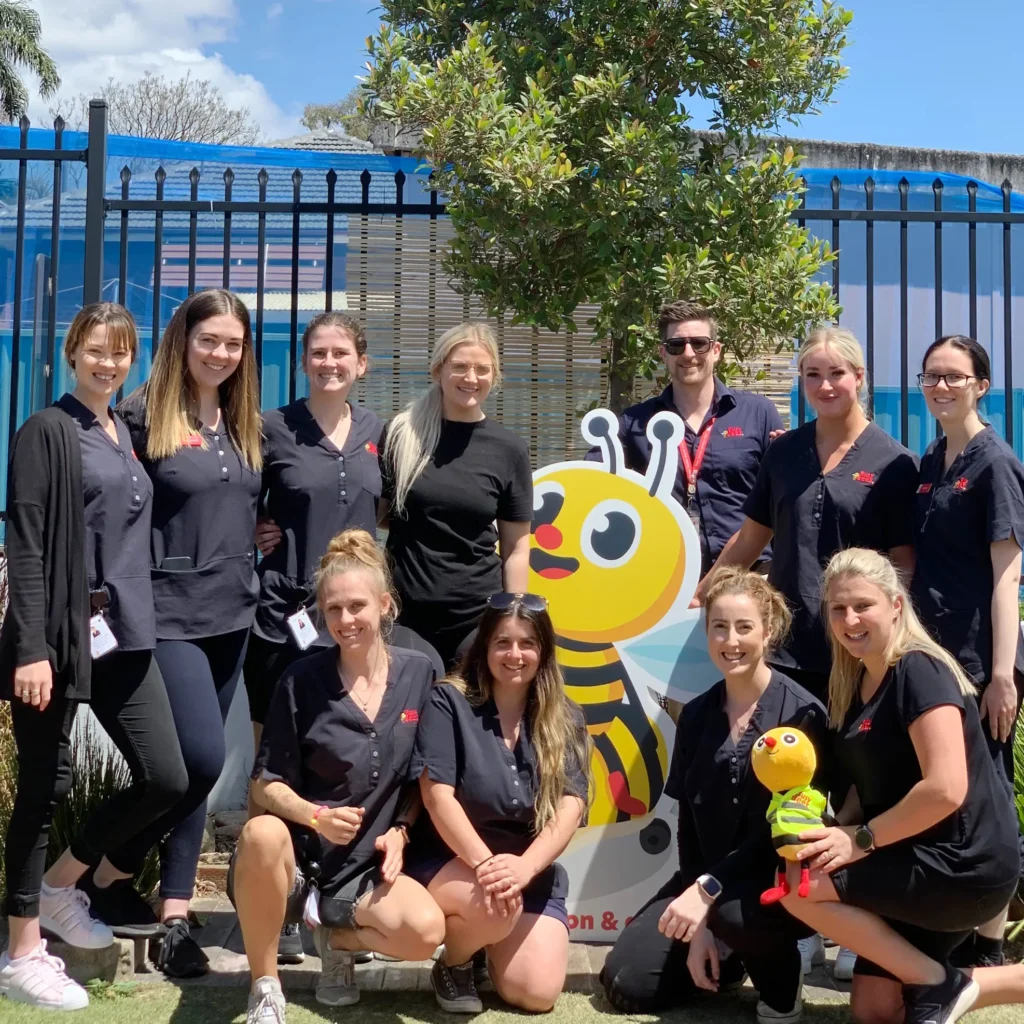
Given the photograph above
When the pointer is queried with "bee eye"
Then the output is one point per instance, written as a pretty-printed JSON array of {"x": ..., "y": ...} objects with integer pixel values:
[
  {"x": 760, "y": 742},
  {"x": 611, "y": 534},
  {"x": 789, "y": 738}
]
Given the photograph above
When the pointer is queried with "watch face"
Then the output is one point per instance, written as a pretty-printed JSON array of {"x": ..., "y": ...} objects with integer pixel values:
[
  {"x": 864, "y": 839},
  {"x": 711, "y": 886}
]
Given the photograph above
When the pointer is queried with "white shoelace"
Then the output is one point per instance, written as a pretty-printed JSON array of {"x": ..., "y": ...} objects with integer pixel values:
[
  {"x": 267, "y": 1001},
  {"x": 339, "y": 966},
  {"x": 51, "y": 974}
]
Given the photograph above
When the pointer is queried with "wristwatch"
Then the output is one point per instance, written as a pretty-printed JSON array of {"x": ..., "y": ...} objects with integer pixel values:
[
  {"x": 710, "y": 886},
  {"x": 864, "y": 838}
]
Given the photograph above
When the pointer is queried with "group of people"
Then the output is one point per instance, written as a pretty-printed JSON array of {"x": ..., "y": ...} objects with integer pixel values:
[{"x": 419, "y": 768}]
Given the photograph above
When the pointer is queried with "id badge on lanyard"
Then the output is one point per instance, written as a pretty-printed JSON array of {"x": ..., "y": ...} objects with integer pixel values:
[
  {"x": 304, "y": 633},
  {"x": 101, "y": 638},
  {"x": 691, "y": 469}
]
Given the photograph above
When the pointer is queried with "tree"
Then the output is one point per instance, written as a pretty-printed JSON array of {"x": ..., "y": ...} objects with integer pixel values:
[
  {"x": 562, "y": 135},
  {"x": 20, "y": 29},
  {"x": 187, "y": 110},
  {"x": 345, "y": 114}
]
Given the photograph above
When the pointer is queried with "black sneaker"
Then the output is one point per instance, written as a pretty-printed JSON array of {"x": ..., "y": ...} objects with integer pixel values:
[
  {"x": 481, "y": 974},
  {"x": 121, "y": 908},
  {"x": 179, "y": 955},
  {"x": 944, "y": 1003},
  {"x": 289, "y": 945},
  {"x": 454, "y": 988}
]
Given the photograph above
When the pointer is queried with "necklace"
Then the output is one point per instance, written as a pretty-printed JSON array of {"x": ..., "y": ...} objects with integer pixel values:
[{"x": 370, "y": 689}]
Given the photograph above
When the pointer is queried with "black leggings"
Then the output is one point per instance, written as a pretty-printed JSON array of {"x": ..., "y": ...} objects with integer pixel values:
[
  {"x": 265, "y": 663},
  {"x": 202, "y": 676},
  {"x": 130, "y": 701},
  {"x": 647, "y": 973}
]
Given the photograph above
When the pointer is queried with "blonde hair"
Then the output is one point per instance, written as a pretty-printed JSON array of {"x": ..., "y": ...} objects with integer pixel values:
[
  {"x": 120, "y": 324},
  {"x": 557, "y": 724},
  {"x": 356, "y": 549},
  {"x": 908, "y": 632},
  {"x": 845, "y": 345},
  {"x": 771, "y": 605},
  {"x": 170, "y": 394},
  {"x": 413, "y": 434}
]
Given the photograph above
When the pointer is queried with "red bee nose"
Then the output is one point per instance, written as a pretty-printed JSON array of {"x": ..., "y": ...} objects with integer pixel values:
[
  {"x": 548, "y": 537},
  {"x": 769, "y": 742}
]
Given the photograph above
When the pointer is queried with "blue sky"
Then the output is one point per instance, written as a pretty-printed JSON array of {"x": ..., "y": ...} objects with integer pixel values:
[{"x": 922, "y": 72}]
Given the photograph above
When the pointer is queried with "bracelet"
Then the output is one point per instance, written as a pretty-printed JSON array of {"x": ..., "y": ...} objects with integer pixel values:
[
  {"x": 314, "y": 821},
  {"x": 477, "y": 867},
  {"x": 402, "y": 827}
]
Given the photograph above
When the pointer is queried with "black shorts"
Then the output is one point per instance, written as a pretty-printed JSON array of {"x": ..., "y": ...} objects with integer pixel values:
[{"x": 265, "y": 663}]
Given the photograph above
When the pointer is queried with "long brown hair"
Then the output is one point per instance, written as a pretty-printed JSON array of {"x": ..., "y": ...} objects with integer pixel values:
[
  {"x": 170, "y": 394},
  {"x": 556, "y": 722}
]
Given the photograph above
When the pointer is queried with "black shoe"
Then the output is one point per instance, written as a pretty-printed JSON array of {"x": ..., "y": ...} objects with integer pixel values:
[
  {"x": 121, "y": 908},
  {"x": 289, "y": 945},
  {"x": 481, "y": 974},
  {"x": 179, "y": 955},
  {"x": 944, "y": 1003},
  {"x": 971, "y": 953},
  {"x": 732, "y": 974}
]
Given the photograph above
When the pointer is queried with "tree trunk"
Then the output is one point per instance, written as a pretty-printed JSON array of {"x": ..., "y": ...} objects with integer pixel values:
[{"x": 620, "y": 385}]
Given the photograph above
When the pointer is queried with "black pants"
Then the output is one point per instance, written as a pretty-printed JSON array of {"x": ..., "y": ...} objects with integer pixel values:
[
  {"x": 130, "y": 701},
  {"x": 265, "y": 663},
  {"x": 647, "y": 973},
  {"x": 202, "y": 676},
  {"x": 443, "y": 632}
]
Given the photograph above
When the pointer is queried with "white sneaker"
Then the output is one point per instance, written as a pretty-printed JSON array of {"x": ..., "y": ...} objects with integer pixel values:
[
  {"x": 38, "y": 979},
  {"x": 842, "y": 970},
  {"x": 64, "y": 913},
  {"x": 266, "y": 1003},
  {"x": 766, "y": 1015},
  {"x": 336, "y": 985},
  {"x": 812, "y": 953}
]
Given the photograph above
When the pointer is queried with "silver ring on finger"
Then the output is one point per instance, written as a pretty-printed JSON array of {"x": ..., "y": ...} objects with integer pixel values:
[{"x": 26, "y": 696}]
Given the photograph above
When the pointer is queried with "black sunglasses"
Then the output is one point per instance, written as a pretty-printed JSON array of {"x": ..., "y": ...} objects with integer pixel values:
[
  {"x": 676, "y": 346},
  {"x": 531, "y": 602}
]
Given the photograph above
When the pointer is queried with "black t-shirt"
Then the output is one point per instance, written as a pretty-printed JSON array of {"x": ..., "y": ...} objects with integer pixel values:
[
  {"x": 202, "y": 540},
  {"x": 958, "y": 516},
  {"x": 319, "y": 742},
  {"x": 312, "y": 491},
  {"x": 723, "y": 828},
  {"x": 461, "y": 745},
  {"x": 443, "y": 547},
  {"x": 866, "y": 501},
  {"x": 874, "y": 751}
]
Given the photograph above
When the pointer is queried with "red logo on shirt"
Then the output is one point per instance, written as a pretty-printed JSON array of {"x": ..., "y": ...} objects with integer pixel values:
[
  {"x": 924, "y": 488},
  {"x": 862, "y": 476},
  {"x": 134, "y": 456},
  {"x": 732, "y": 432},
  {"x": 371, "y": 447},
  {"x": 961, "y": 484},
  {"x": 409, "y": 715},
  {"x": 865, "y": 726},
  {"x": 194, "y": 441}
]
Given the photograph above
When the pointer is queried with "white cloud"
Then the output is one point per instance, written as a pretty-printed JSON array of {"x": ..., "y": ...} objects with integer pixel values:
[
  {"x": 275, "y": 11},
  {"x": 94, "y": 40}
]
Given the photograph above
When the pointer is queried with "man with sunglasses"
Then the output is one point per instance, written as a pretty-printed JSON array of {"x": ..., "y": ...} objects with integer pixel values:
[{"x": 727, "y": 431}]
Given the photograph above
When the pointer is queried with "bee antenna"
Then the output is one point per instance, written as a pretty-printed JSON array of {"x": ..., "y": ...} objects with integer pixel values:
[
  {"x": 665, "y": 432},
  {"x": 601, "y": 429}
]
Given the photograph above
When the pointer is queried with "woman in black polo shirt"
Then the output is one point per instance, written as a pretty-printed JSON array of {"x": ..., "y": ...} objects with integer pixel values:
[
  {"x": 836, "y": 482},
  {"x": 332, "y": 771},
  {"x": 502, "y": 756},
  {"x": 669, "y": 950},
  {"x": 969, "y": 527},
  {"x": 78, "y": 515},
  {"x": 458, "y": 492},
  {"x": 196, "y": 428},
  {"x": 926, "y": 849}
]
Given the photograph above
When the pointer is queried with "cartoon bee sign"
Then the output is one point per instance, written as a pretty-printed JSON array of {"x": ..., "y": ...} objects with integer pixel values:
[{"x": 618, "y": 560}]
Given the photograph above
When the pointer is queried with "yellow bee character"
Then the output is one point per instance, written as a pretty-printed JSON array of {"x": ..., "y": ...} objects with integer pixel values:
[{"x": 612, "y": 551}]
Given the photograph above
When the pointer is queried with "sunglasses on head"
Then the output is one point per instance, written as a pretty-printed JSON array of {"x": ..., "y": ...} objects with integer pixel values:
[
  {"x": 531, "y": 602},
  {"x": 676, "y": 346}
]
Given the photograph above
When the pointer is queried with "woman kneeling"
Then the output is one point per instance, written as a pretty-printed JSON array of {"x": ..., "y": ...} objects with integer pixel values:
[
  {"x": 331, "y": 773},
  {"x": 926, "y": 849},
  {"x": 502, "y": 758}
]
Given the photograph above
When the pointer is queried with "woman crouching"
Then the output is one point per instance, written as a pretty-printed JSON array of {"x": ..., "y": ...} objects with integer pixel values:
[
  {"x": 502, "y": 757},
  {"x": 331, "y": 774}
]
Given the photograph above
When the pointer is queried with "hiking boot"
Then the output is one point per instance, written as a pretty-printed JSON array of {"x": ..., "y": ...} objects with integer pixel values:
[{"x": 336, "y": 985}]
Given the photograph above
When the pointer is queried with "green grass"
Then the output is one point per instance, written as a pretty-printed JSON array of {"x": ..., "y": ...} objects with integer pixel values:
[{"x": 166, "y": 1004}]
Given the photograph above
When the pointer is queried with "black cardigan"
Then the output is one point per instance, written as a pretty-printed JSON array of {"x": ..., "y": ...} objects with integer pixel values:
[{"x": 48, "y": 614}]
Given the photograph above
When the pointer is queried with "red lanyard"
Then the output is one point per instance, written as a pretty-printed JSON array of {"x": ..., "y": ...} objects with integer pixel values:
[{"x": 691, "y": 466}]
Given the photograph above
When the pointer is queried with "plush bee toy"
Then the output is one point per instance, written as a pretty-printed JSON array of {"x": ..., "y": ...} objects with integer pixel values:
[{"x": 785, "y": 762}]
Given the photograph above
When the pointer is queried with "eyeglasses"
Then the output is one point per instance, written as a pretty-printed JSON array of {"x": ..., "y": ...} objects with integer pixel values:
[
  {"x": 460, "y": 369},
  {"x": 531, "y": 602},
  {"x": 953, "y": 380},
  {"x": 676, "y": 346}
]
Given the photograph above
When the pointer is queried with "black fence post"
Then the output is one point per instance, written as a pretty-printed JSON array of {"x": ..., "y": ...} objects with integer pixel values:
[{"x": 95, "y": 201}]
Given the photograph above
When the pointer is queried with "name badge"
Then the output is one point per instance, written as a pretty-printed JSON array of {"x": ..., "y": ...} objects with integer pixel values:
[
  {"x": 302, "y": 629},
  {"x": 102, "y": 640}
]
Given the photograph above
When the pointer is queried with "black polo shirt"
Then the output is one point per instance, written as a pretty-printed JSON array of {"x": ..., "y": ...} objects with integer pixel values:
[
  {"x": 312, "y": 490},
  {"x": 118, "y": 506},
  {"x": 723, "y": 826},
  {"x": 739, "y": 438},
  {"x": 958, "y": 516},
  {"x": 874, "y": 750},
  {"x": 866, "y": 501},
  {"x": 319, "y": 742},
  {"x": 204, "y": 509},
  {"x": 460, "y": 745}
]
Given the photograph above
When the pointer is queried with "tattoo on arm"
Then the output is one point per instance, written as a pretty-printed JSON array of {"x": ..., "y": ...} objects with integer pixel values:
[
  {"x": 409, "y": 805},
  {"x": 281, "y": 800}
]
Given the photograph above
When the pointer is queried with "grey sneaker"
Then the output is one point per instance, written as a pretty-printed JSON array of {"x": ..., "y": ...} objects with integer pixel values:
[
  {"x": 336, "y": 985},
  {"x": 266, "y": 1003},
  {"x": 455, "y": 988}
]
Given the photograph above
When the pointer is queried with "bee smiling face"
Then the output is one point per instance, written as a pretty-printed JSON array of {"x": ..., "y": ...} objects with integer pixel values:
[
  {"x": 606, "y": 554},
  {"x": 783, "y": 759}
]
